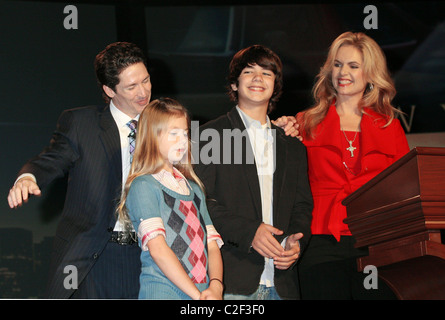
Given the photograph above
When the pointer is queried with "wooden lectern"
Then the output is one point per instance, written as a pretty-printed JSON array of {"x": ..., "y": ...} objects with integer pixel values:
[{"x": 400, "y": 216}]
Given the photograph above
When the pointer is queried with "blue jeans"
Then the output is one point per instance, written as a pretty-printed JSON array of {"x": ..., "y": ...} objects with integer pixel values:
[{"x": 262, "y": 293}]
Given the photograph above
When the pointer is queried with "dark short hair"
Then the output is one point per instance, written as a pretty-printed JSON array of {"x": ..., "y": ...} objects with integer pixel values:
[
  {"x": 110, "y": 62},
  {"x": 265, "y": 58}
]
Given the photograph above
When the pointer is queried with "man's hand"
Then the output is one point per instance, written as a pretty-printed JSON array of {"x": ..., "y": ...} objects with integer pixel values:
[
  {"x": 265, "y": 243},
  {"x": 291, "y": 253},
  {"x": 289, "y": 125},
  {"x": 21, "y": 190}
]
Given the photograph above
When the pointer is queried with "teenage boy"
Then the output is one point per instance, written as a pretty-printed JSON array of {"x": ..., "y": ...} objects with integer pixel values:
[{"x": 262, "y": 204}]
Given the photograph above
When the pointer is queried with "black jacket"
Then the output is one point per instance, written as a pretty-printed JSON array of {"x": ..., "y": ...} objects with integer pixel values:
[
  {"x": 234, "y": 204},
  {"x": 86, "y": 147}
]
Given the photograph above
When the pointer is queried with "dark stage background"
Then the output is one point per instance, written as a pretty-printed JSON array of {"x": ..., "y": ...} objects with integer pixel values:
[{"x": 46, "y": 68}]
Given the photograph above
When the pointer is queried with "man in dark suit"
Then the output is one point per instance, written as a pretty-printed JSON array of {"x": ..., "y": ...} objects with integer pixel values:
[
  {"x": 262, "y": 204},
  {"x": 91, "y": 258}
]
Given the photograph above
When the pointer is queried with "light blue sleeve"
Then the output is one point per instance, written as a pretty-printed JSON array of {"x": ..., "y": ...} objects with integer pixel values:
[{"x": 143, "y": 200}]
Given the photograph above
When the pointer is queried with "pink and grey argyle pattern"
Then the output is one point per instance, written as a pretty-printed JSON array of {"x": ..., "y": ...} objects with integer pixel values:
[{"x": 188, "y": 237}]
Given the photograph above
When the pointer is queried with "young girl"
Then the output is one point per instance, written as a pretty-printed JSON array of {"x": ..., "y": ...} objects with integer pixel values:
[{"x": 164, "y": 201}]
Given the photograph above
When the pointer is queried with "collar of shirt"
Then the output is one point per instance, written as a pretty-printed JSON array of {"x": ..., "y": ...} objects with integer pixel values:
[
  {"x": 119, "y": 117},
  {"x": 255, "y": 128},
  {"x": 174, "y": 181},
  {"x": 250, "y": 122}
]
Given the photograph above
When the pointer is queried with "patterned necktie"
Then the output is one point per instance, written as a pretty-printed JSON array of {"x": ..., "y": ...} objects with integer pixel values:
[{"x": 132, "y": 124}]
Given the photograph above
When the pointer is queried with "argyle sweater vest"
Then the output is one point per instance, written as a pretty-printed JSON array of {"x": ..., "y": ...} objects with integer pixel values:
[
  {"x": 184, "y": 218},
  {"x": 186, "y": 236}
]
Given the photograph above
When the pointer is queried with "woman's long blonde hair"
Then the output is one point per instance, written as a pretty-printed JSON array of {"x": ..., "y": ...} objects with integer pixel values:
[
  {"x": 147, "y": 158},
  {"x": 378, "y": 94}
]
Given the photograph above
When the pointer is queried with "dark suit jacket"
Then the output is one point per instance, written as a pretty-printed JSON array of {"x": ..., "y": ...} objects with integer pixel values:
[
  {"x": 85, "y": 145},
  {"x": 234, "y": 203}
]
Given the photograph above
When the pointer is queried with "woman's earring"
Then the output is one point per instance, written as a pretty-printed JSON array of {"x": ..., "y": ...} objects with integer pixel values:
[{"x": 371, "y": 86}]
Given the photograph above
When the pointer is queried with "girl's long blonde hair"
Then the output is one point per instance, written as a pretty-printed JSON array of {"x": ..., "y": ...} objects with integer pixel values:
[
  {"x": 378, "y": 94},
  {"x": 147, "y": 158}
]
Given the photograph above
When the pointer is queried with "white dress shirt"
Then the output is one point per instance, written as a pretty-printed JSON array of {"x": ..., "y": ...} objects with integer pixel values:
[
  {"x": 262, "y": 142},
  {"x": 121, "y": 120}
]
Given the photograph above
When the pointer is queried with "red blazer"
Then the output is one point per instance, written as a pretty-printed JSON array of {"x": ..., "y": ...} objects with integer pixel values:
[{"x": 330, "y": 183}]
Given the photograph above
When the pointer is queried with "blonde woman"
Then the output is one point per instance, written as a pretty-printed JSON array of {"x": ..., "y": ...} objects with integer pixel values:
[
  {"x": 351, "y": 135},
  {"x": 164, "y": 202}
]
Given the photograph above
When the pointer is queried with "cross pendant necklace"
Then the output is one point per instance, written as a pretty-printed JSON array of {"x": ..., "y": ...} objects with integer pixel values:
[{"x": 351, "y": 148}]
